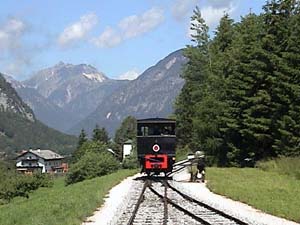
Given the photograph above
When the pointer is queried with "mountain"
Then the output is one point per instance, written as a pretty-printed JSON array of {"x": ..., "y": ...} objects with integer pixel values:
[
  {"x": 19, "y": 128},
  {"x": 66, "y": 93},
  {"x": 152, "y": 94},
  {"x": 45, "y": 110}
]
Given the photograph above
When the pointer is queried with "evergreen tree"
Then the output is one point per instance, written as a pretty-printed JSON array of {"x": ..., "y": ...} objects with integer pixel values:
[
  {"x": 77, "y": 154},
  {"x": 221, "y": 49},
  {"x": 82, "y": 138},
  {"x": 209, "y": 111},
  {"x": 283, "y": 20},
  {"x": 274, "y": 42},
  {"x": 126, "y": 131},
  {"x": 248, "y": 123},
  {"x": 241, "y": 93},
  {"x": 100, "y": 134},
  {"x": 195, "y": 74}
]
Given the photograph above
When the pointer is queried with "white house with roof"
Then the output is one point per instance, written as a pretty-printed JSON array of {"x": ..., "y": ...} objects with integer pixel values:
[{"x": 45, "y": 161}]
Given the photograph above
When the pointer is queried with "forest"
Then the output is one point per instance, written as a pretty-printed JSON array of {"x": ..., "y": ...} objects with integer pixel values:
[{"x": 241, "y": 98}]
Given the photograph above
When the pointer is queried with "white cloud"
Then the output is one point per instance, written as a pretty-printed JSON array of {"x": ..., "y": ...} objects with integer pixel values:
[
  {"x": 11, "y": 33},
  {"x": 136, "y": 25},
  {"x": 213, "y": 15},
  {"x": 129, "y": 75},
  {"x": 213, "y": 12},
  {"x": 14, "y": 53},
  {"x": 182, "y": 8},
  {"x": 108, "y": 39},
  {"x": 78, "y": 30},
  {"x": 129, "y": 27},
  {"x": 220, "y": 3}
]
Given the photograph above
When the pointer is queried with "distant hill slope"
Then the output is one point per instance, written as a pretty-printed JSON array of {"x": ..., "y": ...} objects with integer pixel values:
[
  {"x": 64, "y": 94},
  {"x": 152, "y": 94},
  {"x": 19, "y": 129}
]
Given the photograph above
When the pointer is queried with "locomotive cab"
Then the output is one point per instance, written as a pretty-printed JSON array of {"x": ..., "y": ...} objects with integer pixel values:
[{"x": 156, "y": 143}]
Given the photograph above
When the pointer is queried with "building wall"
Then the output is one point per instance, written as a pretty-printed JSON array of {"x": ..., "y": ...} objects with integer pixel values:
[
  {"x": 47, "y": 165},
  {"x": 25, "y": 161},
  {"x": 126, "y": 150}
]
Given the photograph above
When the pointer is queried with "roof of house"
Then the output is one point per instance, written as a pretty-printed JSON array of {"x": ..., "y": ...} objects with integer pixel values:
[
  {"x": 129, "y": 141},
  {"x": 45, "y": 154},
  {"x": 156, "y": 120}
]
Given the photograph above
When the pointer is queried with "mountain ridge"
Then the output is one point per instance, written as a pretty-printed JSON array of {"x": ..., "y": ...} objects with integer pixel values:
[
  {"x": 152, "y": 94},
  {"x": 19, "y": 128},
  {"x": 70, "y": 97}
]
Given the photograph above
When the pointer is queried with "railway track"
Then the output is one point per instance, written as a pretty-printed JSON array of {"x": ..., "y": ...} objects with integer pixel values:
[{"x": 159, "y": 203}]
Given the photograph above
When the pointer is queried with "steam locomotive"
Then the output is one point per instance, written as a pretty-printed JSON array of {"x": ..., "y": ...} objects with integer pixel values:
[{"x": 156, "y": 143}]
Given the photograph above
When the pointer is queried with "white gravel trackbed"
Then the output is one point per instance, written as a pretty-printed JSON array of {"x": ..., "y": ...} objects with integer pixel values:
[{"x": 119, "y": 195}]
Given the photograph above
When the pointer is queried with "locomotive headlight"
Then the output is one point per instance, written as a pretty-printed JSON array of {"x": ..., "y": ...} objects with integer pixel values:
[{"x": 156, "y": 148}]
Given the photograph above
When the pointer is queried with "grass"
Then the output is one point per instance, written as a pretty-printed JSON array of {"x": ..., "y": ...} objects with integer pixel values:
[
  {"x": 284, "y": 165},
  {"x": 68, "y": 205},
  {"x": 270, "y": 192}
]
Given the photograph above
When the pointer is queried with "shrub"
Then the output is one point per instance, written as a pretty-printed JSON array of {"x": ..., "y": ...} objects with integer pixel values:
[
  {"x": 283, "y": 165},
  {"x": 91, "y": 165},
  {"x": 269, "y": 165},
  {"x": 14, "y": 184},
  {"x": 182, "y": 153},
  {"x": 88, "y": 146},
  {"x": 130, "y": 162}
]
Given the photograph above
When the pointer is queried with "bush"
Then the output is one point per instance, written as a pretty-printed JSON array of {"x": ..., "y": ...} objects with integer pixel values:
[
  {"x": 91, "y": 165},
  {"x": 269, "y": 165},
  {"x": 88, "y": 146},
  {"x": 182, "y": 153},
  {"x": 130, "y": 162},
  {"x": 14, "y": 184},
  {"x": 284, "y": 165}
]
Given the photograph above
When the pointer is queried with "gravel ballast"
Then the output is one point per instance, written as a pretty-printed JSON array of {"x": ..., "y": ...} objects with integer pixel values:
[{"x": 119, "y": 197}]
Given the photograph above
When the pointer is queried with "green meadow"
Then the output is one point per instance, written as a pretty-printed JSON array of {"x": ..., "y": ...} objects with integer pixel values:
[
  {"x": 60, "y": 204},
  {"x": 269, "y": 191}
]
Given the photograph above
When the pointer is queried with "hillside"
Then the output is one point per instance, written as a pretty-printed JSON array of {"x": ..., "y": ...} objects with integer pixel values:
[
  {"x": 152, "y": 94},
  {"x": 19, "y": 129}
]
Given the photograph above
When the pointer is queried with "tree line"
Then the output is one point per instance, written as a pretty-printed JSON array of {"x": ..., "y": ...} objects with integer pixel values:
[
  {"x": 241, "y": 97},
  {"x": 99, "y": 155}
]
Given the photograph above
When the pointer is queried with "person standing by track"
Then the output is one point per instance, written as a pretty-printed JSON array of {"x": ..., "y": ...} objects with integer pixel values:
[{"x": 201, "y": 166}]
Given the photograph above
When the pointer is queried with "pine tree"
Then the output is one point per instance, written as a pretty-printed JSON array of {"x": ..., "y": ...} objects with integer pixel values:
[
  {"x": 209, "y": 111},
  {"x": 247, "y": 122},
  {"x": 82, "y": 138},
  {"x": 278, "y": 17},
  {"x": 195, "y": 74},
  {"x": 127, "y": 131},
  {"x": 77, "y": 154},
  {"x": 100, "y": 134},
  {"x": 288, "y": 132}
]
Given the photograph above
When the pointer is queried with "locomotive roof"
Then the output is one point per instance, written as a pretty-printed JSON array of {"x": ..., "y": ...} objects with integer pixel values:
[{"x": 156, "y": 120}]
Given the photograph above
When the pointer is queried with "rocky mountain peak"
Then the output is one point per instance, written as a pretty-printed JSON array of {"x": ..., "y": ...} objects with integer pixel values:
[{"x": 11, "y": 102}]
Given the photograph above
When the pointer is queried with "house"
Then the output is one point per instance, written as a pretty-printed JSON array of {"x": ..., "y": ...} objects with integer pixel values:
[
  {"x": 44, "y": 161},
  {"x": 127, "y": 147}
]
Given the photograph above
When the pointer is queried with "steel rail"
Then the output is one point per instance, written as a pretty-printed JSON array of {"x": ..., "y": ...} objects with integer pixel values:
[
  {"x": 199, "y": 219},
  {"x": 165, "y": 204},
  {"x": 206, "y": 206},
  {"x": 176, "y": 170},
  {"x": 136, "y": 208}
]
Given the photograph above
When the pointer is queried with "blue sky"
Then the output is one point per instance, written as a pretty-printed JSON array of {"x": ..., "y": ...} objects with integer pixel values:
[{"x": 120, "y": 38}]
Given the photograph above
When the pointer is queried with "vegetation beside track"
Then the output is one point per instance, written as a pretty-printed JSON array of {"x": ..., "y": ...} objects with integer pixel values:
[
  {"x": 268, "y": 191},
  {"x": 60, "y": 204}
]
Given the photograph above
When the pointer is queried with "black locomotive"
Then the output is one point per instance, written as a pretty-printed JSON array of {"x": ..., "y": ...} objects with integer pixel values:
[{"x": 156, "y": 143}]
